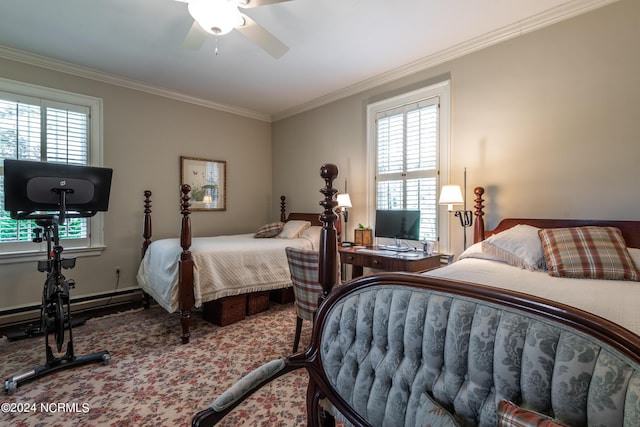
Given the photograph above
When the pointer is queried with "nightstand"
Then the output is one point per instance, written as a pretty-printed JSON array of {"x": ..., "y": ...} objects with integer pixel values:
[{"x": 374, "y": 257}]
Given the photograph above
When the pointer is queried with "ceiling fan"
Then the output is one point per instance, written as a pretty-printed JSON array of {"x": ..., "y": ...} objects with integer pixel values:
[{"x": 219, "y": 17}]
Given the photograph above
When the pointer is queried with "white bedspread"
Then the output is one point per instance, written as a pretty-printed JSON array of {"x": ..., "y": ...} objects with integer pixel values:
[
  {"x": 223, "y": 266},
  {"x": 618, "y": 301}
]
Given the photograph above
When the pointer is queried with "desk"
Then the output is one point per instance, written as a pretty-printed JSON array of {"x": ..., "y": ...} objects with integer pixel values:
[{"x": 374, "y": 257}]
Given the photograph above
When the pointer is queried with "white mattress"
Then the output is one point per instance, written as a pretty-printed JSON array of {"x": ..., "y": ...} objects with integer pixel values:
[
  {"x": 618, "y": 301},
  {"x": 223, "y": 266}
]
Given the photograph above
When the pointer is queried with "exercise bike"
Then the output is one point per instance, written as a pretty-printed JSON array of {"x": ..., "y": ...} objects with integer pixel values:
[{"x": 55, "y": 315}]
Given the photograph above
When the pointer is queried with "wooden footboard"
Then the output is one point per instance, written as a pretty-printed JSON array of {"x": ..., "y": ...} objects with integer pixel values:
[{"x": 186, "y": 297}]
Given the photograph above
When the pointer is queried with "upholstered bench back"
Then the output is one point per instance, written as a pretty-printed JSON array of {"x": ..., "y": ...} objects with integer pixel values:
[{"x": 386, "y": 347}]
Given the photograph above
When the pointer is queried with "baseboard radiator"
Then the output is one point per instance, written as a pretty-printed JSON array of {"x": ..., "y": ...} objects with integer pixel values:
[{"x": 26, "y": 314}]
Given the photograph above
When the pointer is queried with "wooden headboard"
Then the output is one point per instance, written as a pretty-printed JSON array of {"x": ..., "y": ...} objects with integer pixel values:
[
  {"x": 299, "y": 216},
  {"x": 630, "y": 229},
  {"x": 314, "y": 218}
]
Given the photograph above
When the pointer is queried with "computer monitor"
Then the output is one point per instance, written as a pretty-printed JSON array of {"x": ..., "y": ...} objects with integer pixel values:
[
  {"x": 36, "y": 187},
  {"x": 398, "y": 224}
]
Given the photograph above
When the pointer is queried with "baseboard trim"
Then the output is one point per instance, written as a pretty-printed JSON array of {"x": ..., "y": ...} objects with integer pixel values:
[{"x": 25, "y": 314}]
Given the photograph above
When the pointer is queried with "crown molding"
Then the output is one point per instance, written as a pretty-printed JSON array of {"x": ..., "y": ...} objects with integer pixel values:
[
  {"x": 545, "y": 19},
  {"x": 552, "y": 16},
  {"x": 89, "y": 73}
]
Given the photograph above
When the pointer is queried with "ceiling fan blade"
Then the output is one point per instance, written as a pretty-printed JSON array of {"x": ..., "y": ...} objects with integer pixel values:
[
  {"x": 262, "y": 38},
  {"x": 256, "y": 3},
  {"x": 195, "y": 37}
]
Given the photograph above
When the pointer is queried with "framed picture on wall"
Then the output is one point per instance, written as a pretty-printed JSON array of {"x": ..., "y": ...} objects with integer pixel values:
[{"x": 208, "y": 181}]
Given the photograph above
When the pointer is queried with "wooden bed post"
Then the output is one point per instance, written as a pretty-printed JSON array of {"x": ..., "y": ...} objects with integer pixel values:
[
  {"x": 146, "y": 234},
  {"x": 478, "y": 229},
  {"x": 185, "y": 274},
  {"x": 328, "y": 253},
  {"x": 283, "y": 209}
]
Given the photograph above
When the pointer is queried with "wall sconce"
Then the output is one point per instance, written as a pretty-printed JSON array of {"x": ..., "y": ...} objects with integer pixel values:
[
  {"x": 452, "y": 195},
  {"x": 344, "y": 202}
]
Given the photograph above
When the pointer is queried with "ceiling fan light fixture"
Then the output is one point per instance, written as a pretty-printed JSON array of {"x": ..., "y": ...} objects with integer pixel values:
[{"x": 216, "y": 16}]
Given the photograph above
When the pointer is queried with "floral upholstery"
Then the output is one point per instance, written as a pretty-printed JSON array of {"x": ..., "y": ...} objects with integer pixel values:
[
  {"x": 390, "y": 346},
  {"x": 383, "y": 347}
]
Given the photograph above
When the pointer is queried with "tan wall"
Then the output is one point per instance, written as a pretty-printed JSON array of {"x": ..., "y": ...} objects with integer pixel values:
[
  {"x": 144, "y": 136},
  {"x": 548, "y": 122}
]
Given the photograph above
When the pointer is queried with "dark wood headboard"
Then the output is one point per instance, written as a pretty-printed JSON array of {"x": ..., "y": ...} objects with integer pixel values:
[
  {"x": 630, "y": 229},
  {"x": 313, "y": 218}
]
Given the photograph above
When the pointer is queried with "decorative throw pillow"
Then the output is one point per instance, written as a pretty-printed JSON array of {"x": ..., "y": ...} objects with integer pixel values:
[
  {"x": 511, "y": 415},
  {"x": 475, "y": 251},
  {"x": 431, "y": 414},
  {"x": 587, "y": 253},
  {"x": 269, "y": 230},
  {"x": 313, "y": 235},
  {"x": 635, "y": 256},
  {"x": 292, "y": 229},
  {"x": 518, "y": 246}
]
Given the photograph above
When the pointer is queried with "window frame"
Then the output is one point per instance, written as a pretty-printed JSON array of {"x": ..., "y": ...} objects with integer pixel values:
[
  {"x": 93, "y": 244},
  {"x": 442, "y": 90}
]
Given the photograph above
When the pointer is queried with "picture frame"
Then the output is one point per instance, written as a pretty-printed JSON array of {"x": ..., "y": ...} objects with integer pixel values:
[{"x": 208, "y": 181}]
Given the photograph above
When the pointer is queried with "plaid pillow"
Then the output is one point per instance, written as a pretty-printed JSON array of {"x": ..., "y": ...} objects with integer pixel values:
[
  {"x": 269, "y": 230},
  {"x": 587, "y": 253},
  {"x": 511, "y": 415}
]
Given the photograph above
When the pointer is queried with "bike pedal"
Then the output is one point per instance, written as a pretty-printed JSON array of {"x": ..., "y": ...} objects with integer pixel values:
[{"x": 71, "y": 283}]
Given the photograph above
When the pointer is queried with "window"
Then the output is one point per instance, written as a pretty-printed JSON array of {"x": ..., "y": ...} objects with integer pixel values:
[
  {"x": 408, "y": 144},
  {"x": 47, "y": 125}
]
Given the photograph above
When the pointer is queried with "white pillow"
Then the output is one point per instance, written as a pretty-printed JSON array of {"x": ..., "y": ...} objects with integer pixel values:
[
  {"x": 635, "y": 256},
  {"x": 292, "y": 229},
  {"x": 519, "y": 246},
  {"x": 313, "y": 235},
  {"x": 475, "y": 251}
]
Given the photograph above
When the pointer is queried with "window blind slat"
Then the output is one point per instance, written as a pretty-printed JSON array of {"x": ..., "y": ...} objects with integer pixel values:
[
  {"x": 64, "y": 140},
  {"x": 407, "y": 146}
]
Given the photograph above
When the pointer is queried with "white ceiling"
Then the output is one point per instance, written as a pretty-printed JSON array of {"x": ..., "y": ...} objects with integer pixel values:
[{"x": 335, "y": 46}]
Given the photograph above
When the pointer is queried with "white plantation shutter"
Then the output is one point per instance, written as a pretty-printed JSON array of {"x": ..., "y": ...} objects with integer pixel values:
[
  {"x": 407, "y": 161},
  {"x": 67, "y": 133},
  {"x": 33, "y": 128},
  {"x": 20, "y": 135}
]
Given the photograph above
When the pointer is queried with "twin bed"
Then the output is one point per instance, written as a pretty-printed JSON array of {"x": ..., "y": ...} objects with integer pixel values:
[
  {"x": 183, "y": 273},
  {"x": 597, "y": 265}
]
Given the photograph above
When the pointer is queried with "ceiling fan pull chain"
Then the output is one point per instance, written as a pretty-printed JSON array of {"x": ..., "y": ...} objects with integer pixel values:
[{"x": 216, "y": 45}]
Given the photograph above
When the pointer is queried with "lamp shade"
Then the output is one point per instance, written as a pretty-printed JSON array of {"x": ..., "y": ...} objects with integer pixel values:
[
  {"x": 215, "y": 16},
  {"x": 450, "y": 195},
  {"x": 344, "y": 201}
]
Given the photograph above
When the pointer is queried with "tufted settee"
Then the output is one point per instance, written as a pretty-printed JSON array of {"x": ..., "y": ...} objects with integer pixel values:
[{"x": 401, "y": 349}]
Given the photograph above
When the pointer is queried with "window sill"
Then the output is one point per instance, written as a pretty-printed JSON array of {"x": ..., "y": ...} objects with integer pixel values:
[{"x": 27, "y": 256}]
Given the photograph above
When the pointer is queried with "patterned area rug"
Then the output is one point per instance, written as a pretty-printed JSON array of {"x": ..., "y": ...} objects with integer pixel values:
[{"x": 152, "y": 380}]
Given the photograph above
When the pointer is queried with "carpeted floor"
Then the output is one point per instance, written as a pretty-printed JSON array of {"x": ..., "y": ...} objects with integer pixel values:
[{"x": 153, "y": 380}]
